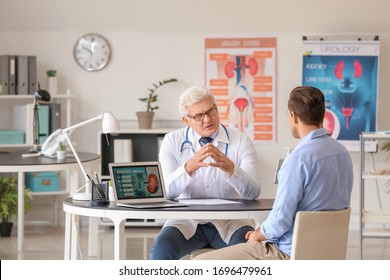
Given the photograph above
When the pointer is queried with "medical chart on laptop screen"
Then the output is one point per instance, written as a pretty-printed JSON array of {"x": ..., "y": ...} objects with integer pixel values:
[{"x": 137, "y": 182}]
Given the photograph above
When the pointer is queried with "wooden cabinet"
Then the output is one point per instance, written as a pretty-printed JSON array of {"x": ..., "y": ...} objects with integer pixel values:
[{"x": 372, "y": 221}]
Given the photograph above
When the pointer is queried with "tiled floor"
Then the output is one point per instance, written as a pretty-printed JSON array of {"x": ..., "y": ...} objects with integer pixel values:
[{"x": 47, "y": 243}]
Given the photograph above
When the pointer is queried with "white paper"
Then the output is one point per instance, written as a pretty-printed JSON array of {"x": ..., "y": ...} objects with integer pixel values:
[{"x": 206, "y": 201}]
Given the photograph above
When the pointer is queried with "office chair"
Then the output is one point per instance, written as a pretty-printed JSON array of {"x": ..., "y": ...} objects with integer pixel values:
[{"x": 320, "y": 235}]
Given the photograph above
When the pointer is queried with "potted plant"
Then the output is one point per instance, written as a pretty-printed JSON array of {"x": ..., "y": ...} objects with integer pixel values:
[
  {"x": 61, "y": 150},
  {"x": 9, "y": 203},
  {"x": 145, "y": 118},
  {"x": 52, "y": 86}
]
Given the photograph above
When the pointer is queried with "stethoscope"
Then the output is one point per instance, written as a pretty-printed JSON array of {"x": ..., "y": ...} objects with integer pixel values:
[{"x": 189, "y": 143}]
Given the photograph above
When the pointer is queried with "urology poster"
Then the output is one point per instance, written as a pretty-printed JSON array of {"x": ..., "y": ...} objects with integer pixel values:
[
  {"x": 347, "y": 74},
  {"x": 241, "y": 73}
]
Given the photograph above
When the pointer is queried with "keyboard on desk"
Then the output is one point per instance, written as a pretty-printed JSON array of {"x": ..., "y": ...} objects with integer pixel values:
[{"x": 145, "y": 205}]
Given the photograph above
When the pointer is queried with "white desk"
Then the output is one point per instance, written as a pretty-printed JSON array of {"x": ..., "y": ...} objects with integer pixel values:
[
  {"x": 247, "y": 209},
  {"x": 14, "y": 163}
]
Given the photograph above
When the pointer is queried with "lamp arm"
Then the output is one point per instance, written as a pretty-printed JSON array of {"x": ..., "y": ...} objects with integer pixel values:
[
  {"x": 71, "y": 128},
  {"x": 86, "y": 178}
]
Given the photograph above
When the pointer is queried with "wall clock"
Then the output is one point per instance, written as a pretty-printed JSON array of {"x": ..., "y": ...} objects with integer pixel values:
[{"x": 92, "y": 52}]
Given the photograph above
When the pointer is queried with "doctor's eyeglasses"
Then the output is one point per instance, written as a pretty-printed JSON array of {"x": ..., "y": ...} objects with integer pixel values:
[{"x": 199, "y": 117}]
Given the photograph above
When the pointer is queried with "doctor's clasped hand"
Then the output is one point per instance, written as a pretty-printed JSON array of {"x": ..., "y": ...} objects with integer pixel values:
[{"x": 219, "y": 160}]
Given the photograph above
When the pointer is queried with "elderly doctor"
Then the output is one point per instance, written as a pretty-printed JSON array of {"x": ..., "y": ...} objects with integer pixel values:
[{"x": 205, "y": 160}]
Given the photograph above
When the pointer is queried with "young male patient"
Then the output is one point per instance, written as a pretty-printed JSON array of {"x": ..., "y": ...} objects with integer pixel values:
[{"x": 316, "y": 175}]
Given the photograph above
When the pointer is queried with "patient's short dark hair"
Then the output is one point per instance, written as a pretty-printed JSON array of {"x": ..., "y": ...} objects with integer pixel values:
[{"x": 308, "y": 103}]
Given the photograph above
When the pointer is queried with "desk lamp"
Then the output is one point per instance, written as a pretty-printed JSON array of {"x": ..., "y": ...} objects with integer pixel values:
[
  {"x": 40, "y": 95},
  {"x": 109, "y": 124}
]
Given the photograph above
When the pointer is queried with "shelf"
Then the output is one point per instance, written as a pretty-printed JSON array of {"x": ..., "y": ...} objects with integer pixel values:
[
  {"x": 30, "y": 96},
  {"x": 376, "y": 232},
  {"x": 368, "y": 136},
  {"x": 49, "y": 193},
  {"x": 376, "y": 216},
  {"x": 25, "y": 123},
  {"x": 130, "y": 145},
  {"x": 134, "y": 223},
  {"x": 371, "y": 218},
  {"x": 144, "y": 131},
  {"x": 16, "y": 145},
  {"x": 369, "y": 176}
]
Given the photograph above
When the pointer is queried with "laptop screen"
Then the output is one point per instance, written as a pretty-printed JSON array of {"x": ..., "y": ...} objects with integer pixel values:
[{"x": 137, "y": 180}]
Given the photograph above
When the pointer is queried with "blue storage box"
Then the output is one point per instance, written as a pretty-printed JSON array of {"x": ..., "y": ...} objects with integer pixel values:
[
  {"x": 11, "y": 137},
  {"x": 42, "y": 181}
]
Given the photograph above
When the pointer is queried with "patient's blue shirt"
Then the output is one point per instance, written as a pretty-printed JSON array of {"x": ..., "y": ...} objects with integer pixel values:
[{"x": 316, "y": 175}]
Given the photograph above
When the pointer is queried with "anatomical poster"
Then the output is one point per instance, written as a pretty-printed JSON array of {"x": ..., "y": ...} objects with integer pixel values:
[
  {"x": 241, "y": 73},
  {"x": 347, "y": 74}
]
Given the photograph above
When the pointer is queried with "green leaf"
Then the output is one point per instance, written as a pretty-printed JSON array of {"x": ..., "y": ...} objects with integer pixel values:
[
  {"x": 153, "y": 96},
  {"x": 385, "y": 146},
  {"x": 51, "y": 73},
  {"x": 9, "y": 198},
  {"x": 153, "y": 99}
]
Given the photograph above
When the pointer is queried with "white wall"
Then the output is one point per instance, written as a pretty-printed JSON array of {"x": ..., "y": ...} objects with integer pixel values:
[{"x": 153, "y": 40}]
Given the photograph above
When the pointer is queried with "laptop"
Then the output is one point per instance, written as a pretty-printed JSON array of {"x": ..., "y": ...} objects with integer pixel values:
[{"x": 139, "y": 185}]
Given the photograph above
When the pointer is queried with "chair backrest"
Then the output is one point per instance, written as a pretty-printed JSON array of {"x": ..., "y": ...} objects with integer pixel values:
[{"x": 320, "y": 235}]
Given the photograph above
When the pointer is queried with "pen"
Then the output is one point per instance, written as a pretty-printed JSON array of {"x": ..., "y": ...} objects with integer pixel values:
[
  {"x": 90, "y": 179},
  {"x": 97, "y": 178},
  {"x": 101, "y": 192}
]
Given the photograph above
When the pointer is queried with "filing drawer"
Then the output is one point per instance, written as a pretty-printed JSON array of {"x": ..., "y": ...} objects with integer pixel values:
[
  {"x": 11, "y": 137},
  {"x": 42, "y": 181}
]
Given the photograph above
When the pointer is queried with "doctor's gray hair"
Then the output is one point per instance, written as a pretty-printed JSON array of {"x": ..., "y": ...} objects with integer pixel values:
[{"x": 192, "y": 96}]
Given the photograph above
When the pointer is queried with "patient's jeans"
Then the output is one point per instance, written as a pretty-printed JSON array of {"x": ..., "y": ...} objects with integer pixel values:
[{"x": 170, "y": 244}]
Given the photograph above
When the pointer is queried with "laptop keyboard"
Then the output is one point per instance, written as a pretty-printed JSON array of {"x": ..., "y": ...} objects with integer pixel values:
[
  {"x": 155, "y": 203},
  {"x": 152, "y": 204}
]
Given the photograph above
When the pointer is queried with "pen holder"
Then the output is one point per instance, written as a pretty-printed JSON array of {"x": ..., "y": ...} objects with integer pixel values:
[{"x": 100, "y": 195}]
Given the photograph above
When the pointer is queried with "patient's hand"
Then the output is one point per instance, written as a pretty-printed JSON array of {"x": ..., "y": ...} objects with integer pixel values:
[{"x": 254, "y": 236}]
